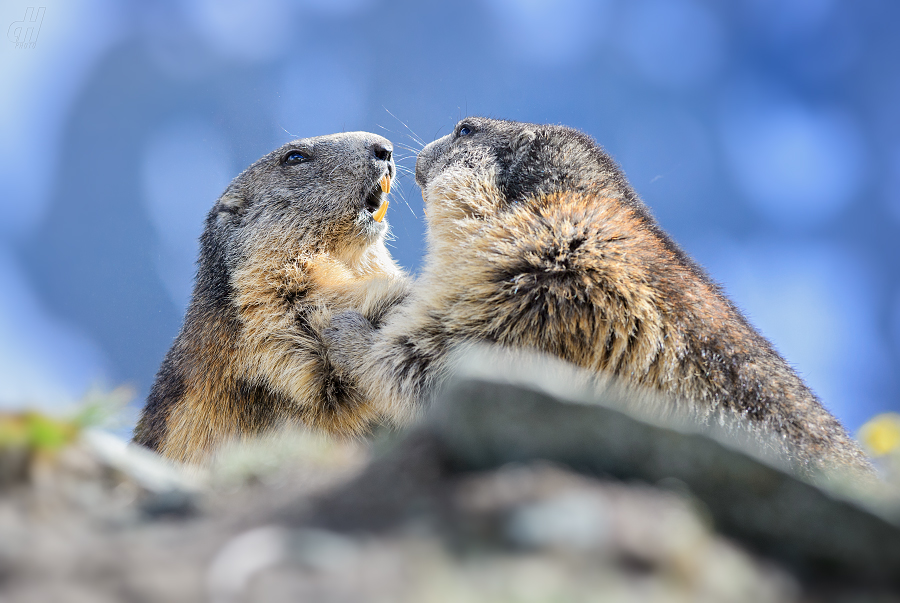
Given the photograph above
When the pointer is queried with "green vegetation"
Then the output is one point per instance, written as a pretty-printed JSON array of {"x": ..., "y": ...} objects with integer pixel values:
[{"x": 38, "y": 432}]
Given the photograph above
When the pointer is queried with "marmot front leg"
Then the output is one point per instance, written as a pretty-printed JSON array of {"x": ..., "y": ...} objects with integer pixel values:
[
  {"x": 395, "y": 366},
  {"x": 348, "y": 339}
]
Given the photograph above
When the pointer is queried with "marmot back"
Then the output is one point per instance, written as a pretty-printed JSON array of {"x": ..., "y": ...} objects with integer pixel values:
[
  {"x": 294, "y": 237},
  {"x": 536, "y": 240}
]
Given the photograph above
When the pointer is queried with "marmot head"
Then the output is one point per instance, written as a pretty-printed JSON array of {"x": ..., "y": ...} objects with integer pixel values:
[
  {"x": 486, "y": 165},
  {"x": 317, "y": 194}
]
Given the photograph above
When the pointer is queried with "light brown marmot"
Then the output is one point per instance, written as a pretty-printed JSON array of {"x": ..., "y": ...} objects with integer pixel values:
[
  {"x": 537, "y": 241},
  {"x": 294, "y": 237}
]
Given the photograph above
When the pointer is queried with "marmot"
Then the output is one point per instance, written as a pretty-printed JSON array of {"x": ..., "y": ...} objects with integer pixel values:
[
  {"x": 537, "y": 241},
  {"x": 297, "y": 235}
]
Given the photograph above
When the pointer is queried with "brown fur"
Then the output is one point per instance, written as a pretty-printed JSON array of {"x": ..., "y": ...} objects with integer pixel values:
[
  {"x": 284, "y": 247},
  {"x": 536, "y": 241}
]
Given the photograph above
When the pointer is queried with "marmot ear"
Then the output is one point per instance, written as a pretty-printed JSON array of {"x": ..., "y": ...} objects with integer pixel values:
[
  {"x": 231, "y": 201},
  {"x": 519, "y": 180},
  {"x": 524, "y": 138}
]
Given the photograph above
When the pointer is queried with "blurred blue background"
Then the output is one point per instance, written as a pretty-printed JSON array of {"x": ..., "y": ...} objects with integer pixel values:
[{"x": 764, "y": 134}]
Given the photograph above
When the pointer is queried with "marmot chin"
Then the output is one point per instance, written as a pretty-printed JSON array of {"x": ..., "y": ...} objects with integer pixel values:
[
  {"x": 297, "y": 235},
  {"x": 537, "y": 241}
]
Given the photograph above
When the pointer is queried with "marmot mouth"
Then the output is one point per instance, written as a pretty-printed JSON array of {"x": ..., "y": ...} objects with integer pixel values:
[
  {"x": 374, "y": 199},
  {"x": 376, "y": 202}
]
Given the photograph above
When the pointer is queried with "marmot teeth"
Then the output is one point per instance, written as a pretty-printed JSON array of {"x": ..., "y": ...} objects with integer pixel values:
[
  {"x": 378, "y": 216},
  {"x": 378, "y": 211}
]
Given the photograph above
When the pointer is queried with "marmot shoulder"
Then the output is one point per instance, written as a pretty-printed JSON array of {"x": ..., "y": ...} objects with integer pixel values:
[
  {"x": 537, "y": 241},
  {"x": 292, "y": 239}
]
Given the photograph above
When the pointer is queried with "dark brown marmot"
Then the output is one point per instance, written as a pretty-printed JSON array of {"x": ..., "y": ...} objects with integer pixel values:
[
  {"x": 537, "y": 241},
  {"x": 294, "y": 237}
]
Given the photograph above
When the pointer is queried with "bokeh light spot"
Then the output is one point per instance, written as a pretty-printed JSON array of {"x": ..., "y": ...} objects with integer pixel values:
[
  {"x": 799, "y": 166},
  {"x": 672, "y": 42},
  {"x": 549, "y": 32}
]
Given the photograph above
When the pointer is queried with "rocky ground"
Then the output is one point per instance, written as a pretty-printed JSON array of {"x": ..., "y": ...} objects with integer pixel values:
[{"x": 515, "y": 488}]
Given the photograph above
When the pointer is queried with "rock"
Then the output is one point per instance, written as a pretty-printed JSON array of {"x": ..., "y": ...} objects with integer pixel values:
[
  {"x": 522, "y": 483},
  {"x": 484, "y": 420}
]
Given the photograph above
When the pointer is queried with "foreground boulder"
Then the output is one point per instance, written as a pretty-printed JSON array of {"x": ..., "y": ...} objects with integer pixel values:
[{"x": 522, "y": 484}]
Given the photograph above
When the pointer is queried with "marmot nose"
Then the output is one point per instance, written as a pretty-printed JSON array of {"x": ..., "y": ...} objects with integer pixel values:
[{"x": 382, "y": 152}]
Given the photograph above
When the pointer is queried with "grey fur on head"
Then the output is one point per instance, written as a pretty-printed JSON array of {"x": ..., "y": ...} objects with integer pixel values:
[{"x": 319, "y": 190}]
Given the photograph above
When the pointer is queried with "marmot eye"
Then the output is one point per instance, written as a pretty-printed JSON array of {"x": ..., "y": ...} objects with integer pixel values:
[
  {"x": 294, "y": 157},
  {"x": 464, "y": 131}
]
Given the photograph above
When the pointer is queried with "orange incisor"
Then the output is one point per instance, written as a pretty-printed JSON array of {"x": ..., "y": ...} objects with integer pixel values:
[{"x": 385, "y": 188}]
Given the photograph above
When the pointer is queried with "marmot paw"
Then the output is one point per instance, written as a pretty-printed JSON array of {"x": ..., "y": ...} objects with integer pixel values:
[{"x": 348, "y": 337}]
